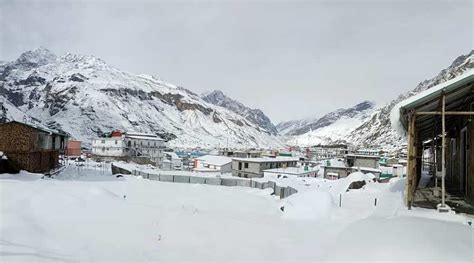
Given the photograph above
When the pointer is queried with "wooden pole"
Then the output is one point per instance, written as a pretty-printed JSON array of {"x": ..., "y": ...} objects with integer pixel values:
[
  {"x": 443, "y": 152},
  {"x": 411, "y": 169}
]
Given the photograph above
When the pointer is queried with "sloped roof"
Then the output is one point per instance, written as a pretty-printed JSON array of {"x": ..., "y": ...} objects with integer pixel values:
[
  {"x": 36, "y": 127},
  {"x": 215, "y": 159}
]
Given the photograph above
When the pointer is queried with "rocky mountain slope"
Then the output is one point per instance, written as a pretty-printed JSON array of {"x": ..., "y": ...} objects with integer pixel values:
[
  {"x": 86, "y": 97},
  {"x": 331, "y": 128},
  {"x": 365, "y": 126},
  {"x": 378, "y": 129},
  {"x": 255, "y": 116},
  {"x": 299, "y": 127}
]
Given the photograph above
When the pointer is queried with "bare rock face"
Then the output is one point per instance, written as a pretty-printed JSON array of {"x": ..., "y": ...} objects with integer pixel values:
[
  {"x": 255, "y": 116},
  {"x": 86, "y": 97}
]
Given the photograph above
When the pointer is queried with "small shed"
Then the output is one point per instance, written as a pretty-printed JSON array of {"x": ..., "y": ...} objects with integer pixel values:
[{"x": 31, "y": 148}]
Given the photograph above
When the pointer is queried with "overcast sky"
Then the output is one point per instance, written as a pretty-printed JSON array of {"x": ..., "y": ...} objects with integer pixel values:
[{"x": 290, "y": 59}]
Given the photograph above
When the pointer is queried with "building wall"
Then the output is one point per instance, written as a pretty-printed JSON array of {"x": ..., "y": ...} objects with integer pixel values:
[
  {"x": 73, "y": 148},
  {"x": 366, "y": 162},
  {"x": 114, "y": 147},
  {"x": 28, "y": 148},
  {"x": 342, "y": 172},
  {"x": 15, "y": 137},
  {"x": 255, "y": 169}
]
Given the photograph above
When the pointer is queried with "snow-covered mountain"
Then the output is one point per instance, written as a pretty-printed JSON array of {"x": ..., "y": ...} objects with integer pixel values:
[
  {"x": 85, "y": 97},
  {"x": 255, "y": 116},
  {"x": 299, "y": 127},
  {"x": 378, "y": 129},
  {"x": 331, "y": 128},
  {"x": 365, "y": 125}
]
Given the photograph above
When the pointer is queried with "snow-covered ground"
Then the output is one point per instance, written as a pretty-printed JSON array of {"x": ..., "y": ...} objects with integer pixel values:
[{"x": 88, "y": 215}]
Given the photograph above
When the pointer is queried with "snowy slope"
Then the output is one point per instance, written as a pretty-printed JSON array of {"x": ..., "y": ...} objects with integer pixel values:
[
  {"x": 331, "y": 128},
  {"x": 82, "y": 216},
  {"x": 84, "y": 96},
  {"x": 378, "y": 129},
  {"x": 370, "y": 127},
  {"x": 255, "y": 116}
]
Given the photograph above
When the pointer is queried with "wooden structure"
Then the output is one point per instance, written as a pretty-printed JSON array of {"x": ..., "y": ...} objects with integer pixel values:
[
  {"x": 31, "y": 148},
  {"x": 73, "y": 148},
  {"x": 439, "y": 123}
]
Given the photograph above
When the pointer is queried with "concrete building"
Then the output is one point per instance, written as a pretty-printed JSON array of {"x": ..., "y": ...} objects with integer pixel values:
[
  {"x": 241, "y": 154},
  {"x": 130, "y": 144},
  {"x": 172, "y": 161},
  {"x": 31, "y": 148},
  {"x": 358, "y": 160},
  {"x": 254, "y": 167},
  {"x": 213, "y": 163},
  {"x": 302, "y": 171},
  {"x": 336, "y": 171}
]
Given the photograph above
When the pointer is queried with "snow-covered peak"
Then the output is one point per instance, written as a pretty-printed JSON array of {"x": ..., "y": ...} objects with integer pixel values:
[
  {"x": 37, "y": 57},
  {"x": 86, "y": 97}
]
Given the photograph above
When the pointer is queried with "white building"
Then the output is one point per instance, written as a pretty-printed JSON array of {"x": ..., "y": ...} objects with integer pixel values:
[
  {"x": 130, "y": 144},
  {"x": 172, "y": 161},
  {"x": 213, "y": 163},
  {"x": 291, "y": 172}
]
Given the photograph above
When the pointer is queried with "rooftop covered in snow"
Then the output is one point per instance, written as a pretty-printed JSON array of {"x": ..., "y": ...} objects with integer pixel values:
[
  {"x": 267, "y": 159},
  {"x": 215, "y": 159}
]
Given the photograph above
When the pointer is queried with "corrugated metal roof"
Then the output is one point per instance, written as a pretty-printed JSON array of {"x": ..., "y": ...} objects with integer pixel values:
[{"x": 457, "y": 90}]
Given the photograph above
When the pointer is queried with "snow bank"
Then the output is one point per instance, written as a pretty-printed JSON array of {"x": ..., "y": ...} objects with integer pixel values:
[{"x": 308, "y": 205}]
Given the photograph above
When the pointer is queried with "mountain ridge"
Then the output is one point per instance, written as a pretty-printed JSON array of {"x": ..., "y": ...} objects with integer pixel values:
[{"x": 85, "y": 97}]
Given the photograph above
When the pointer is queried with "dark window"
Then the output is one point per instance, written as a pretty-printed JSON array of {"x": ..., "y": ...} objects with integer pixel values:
[
  {"x": 246, "y": 176},
  {"x": 240, "y": 166},
  {"x": 246, "y": 165}
]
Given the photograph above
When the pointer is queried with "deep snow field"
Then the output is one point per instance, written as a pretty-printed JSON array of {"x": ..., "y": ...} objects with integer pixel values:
[{"x": 84, "y": 217}]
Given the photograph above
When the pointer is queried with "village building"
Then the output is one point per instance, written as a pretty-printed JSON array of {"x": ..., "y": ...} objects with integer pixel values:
[
  {"x": 254, "y": 167},
  {"x": 172, "y": 161},
  {"x": 301, "y": 171},
  {"x": 335, "y": 169},
  {"x": 31, "y": 148},
  {"x": 439, "y": 121},
  {"x": 213, "y": 163},
  {"x": 241, "y": 154},
  {"x": 130, "y": 144},
  {"x": 73, "y": 148},
  {"x": 359, "y": 160}
]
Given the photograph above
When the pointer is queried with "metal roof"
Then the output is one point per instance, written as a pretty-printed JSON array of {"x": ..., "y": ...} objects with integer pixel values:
[{"x": 459, "y": 91}]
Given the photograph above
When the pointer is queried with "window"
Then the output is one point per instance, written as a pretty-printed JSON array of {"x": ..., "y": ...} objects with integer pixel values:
[
  {"x": 246, "y": 176},
  {"x": 246, "y": 165},
  {"x": 240, "y": 166},
  {"x": 103, "y": 141},
  {"x": 116, "y": 141},
  {"x": 103, "y": 149}
]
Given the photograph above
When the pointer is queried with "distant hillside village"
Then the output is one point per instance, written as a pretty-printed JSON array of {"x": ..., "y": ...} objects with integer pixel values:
[{"x": 437, "y": 160}]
